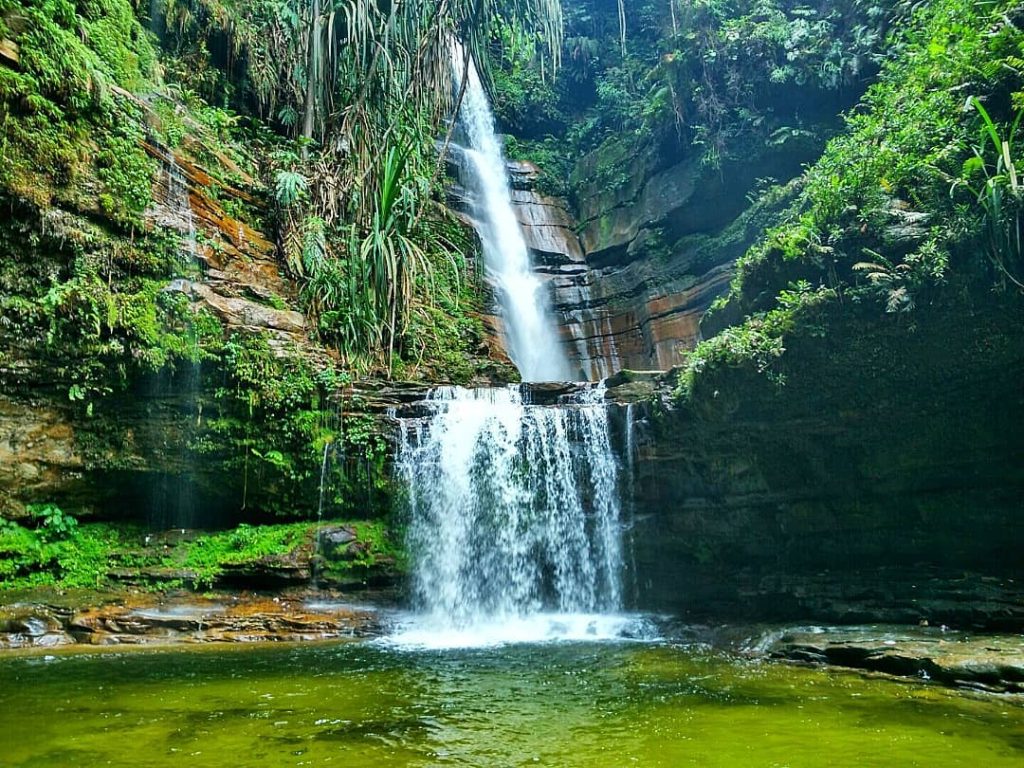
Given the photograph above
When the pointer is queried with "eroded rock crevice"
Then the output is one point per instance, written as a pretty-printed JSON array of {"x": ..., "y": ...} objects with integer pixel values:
[{"x": 632, "y": 269}]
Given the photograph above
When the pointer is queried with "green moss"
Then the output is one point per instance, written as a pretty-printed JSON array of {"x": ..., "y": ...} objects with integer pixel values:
[
  {"x": 126, "y": 172},
  {"x": 60, "y": 113},
  {"x": 207, "y": 556},
  {"x": 85, "y": 555},
  {"x": 76, "y": 556},
  {"x": 847, "y": 239},
  {"x": 99, "y": 323},
  {"x": 550, "y": 156}
]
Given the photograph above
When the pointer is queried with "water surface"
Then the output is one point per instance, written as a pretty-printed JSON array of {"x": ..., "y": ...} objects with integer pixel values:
[{"x": 570, "y": 704}]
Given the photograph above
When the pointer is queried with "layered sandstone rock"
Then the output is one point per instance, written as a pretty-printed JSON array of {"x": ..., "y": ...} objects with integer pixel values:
[
  {"x": 630, "y": 290},
  {"x": 138, "y": 619},
  {"x": 241, "y": 282},
  {"x": 876, "y": 478}
]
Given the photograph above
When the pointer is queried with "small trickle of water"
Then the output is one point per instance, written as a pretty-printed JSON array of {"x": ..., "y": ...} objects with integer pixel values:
[
  {"x": 320, "y": 510},
  {"x": 178, "y": 199},
  {"x": 631, "y": 442},
  {"x": 614, "y": 363},
  {"x": 530, "y": 332},
  {"x": 174, "y": 500},
  {"x": 514, "y": 513}
]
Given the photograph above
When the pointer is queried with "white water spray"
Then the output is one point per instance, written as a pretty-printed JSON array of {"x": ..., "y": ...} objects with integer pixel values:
[
  {"x": 530, "y": 333},
  {"x": 515, "y": 528}
]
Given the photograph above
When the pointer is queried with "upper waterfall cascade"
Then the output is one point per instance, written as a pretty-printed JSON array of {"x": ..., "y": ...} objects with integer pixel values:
[{"x": 530, "y": 331}]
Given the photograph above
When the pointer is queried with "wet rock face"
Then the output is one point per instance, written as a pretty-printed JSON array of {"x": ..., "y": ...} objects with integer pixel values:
[
  {"x": 548, "y": 226},
  {"x": 993, "y": 664},
  {"x": 146, "y": 620},
  {"x": 651, "y": 254},
  {"x": 882, "y": 482}
]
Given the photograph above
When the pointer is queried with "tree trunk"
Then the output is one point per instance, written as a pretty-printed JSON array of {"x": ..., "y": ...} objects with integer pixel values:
[{"x": 312, "y": 72}]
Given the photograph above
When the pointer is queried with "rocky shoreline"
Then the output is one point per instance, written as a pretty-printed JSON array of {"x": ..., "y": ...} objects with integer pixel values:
[
  {"x": 181, "y": 618},
  {"x": 986, "y": 663}
]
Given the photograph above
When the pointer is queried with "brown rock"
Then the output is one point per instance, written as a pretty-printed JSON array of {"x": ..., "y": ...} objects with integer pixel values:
[
  {"x": 246, "y": 314},
  {"x": 9, "y": 54},
  {"x": 148, "y": 621},
  {"x": 36, "y": 450}
]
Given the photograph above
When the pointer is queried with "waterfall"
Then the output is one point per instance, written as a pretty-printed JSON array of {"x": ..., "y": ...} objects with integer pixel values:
[
  {"x": 181, "y": 206},
  {"x": 514, "y": 529},
  {"x": 157, "y": 18},
  {"x": 530, "y": 333},
  {"x": 174, "y": 499},
  {"x": 514, "y": 518}
]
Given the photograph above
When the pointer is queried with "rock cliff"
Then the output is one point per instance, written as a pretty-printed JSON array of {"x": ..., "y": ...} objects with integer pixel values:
[
  {"x": 878, "y": 483},
  {"x": 633, "y": 268}
]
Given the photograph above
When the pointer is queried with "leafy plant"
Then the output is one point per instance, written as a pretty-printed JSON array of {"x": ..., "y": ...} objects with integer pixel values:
[
  {"x": 55, "y": 522},
  {"x": 289, "y": 188},
  {"x": 1000, "y": 195},
  {"x": 891, "y": 278}
]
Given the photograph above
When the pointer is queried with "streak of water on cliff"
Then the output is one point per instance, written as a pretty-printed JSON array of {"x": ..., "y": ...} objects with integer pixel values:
[{"x": 174, "y": 499}]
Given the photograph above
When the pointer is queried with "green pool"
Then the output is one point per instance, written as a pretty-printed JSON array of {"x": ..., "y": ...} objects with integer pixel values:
[{"x": 593, "y": 705}]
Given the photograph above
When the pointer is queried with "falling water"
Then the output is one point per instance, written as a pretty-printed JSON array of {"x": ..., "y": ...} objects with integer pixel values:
[
  {"x": 320, "y": 510},
  {"x": 530, "y": 333},
  {"x": 515, "y": 528},
  {"x": 175, "y": 498},
  {"x": 157, "y": 20},
  {"x": 630, "y": 491},
  {"x": 631, "y": 442},
  {"x": 514, "y": 514},
  {"x": 178, "y": 200}
]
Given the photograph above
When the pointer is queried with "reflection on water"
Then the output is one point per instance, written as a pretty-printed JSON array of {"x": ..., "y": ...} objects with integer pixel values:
[{"x": 567, "y": 704}]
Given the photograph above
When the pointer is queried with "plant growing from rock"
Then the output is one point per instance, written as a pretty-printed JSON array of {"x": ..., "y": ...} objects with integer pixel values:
[
  {"x": 999, "y": 191},
  {"x": 364, "y": 87}
]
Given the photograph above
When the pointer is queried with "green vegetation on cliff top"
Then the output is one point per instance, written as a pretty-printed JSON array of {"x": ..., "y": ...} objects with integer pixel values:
[
  {"x": 719, "y": 80},
  {"x": 899, "y": 210},
  {"x": 64, "y": 118}
]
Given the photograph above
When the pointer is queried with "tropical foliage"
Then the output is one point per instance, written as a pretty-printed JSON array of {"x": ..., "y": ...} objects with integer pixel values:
[
  {"x": 51, "y": 548},
  {"x": 63, "y": 121},
  {"x": 999, "y": 192},
  {"x": 364, "y": 88},
  {"x": 920, "y": 198},
  {"x": 714, "y": 78}
]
